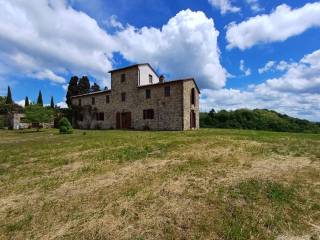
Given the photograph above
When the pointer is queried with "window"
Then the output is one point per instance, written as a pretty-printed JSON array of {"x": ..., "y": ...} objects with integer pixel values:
[
  {"x": 100, "y": 116},
  {"x": 150, "y": 78},
  {"x": 123, "y": 77},
  {"x": 192, "y": 100},
  {"x": 93, "y": 101},
  {"x": 148, "y": 114},
  {"x": 148, "y": 93},
  {"x": 79, "y": 102},
  {"x": 107, "y": 98},
  {"x": 123, "y": 97},
  {"x": 167, "y": 91}
]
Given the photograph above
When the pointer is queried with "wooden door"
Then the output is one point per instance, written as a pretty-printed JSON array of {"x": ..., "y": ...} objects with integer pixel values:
[
  {"x": 126, "y": 120},
  {"x": 192, "y": 119},
  {"x": 118, "y": 120}
]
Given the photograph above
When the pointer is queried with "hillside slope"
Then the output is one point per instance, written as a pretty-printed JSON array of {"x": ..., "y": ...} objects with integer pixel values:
[
  {"x": 206, "y": 184},
  {"x": 258, "y": 119}
]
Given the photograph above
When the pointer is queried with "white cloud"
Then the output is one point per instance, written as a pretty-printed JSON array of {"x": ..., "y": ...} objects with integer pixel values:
[
  {"x": 113, "y": 22},
  {"x": 225, "y": 6},
  {"x": 62, "y": 105},
  {"x": 65, "y": 87},
  {"x": 304, "y": 106},
  {"x": 254, "y": 5},
  {"x": 277, "y": 66},
  {"x": 278, "y": 26},
  {"x": 269, "y": 65},
  {"x": 185, "y": 46},
  {"x": 300, "y": 77},
  {"x": 296, "y": 92},
  {"x": 21, "y": 102},
  {"x": 246, "y": 71},
  {"x": 49, "y": 75},
  {"x": 45, "y": 38}
]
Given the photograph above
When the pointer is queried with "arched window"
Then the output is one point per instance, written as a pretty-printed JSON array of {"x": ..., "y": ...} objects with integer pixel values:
[{"x": 192, "y": 96}]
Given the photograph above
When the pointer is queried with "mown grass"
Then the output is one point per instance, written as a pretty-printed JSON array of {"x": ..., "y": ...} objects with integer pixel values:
[{"x": 206, "y": 184}]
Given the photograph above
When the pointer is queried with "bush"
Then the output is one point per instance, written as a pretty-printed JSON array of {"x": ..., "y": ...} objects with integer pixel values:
[{"x": 65, "y": 126}]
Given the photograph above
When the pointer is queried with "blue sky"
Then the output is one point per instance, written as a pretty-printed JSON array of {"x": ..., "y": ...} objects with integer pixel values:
[{"x": 244, "y": 53}]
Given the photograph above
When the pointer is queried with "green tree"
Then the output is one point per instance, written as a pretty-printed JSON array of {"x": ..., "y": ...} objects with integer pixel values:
[
  {"x": 65, "y": 126},
  {"x": 26, "y": 102},
  {"x": 52, "y": 103},
  {"x": 84, "y": 85},
  {"x": 37, "y": 115},
  {"x": 9, "y": 96},
  {"x": 72, "y": 89},
  {"x": 39, "y": 100},
  {"x": 3, "y": 100},
  {"x": 95, "y": 88}
]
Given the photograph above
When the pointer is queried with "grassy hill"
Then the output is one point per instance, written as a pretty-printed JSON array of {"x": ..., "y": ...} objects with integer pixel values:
[
  {"x": 206, "y": 184},
  {"x": 258, "y": 119}
]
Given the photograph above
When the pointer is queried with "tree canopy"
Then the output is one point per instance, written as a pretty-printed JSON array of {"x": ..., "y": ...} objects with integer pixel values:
[
  {"x": 95, "y": 88},
  {"x": 258, "y": 119},
  {"x": 38, "y": 114},
  {"x": 9, "y": 96},
  {"x": 39, "y": 100},
  {"x": 84, "y": 85},
  {"x": 52, "y": 103},
  {"x": 26, "y": 102},
  {"x": 72, "y": 89}
]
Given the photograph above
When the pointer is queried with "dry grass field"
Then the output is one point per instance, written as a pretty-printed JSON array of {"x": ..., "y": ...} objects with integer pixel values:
[{"x": 206, "y": 184}]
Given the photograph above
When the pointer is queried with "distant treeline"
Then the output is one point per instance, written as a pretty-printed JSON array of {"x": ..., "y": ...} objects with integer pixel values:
[{"x": 258, "y": 119}]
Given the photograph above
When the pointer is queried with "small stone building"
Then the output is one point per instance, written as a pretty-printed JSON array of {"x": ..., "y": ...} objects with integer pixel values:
[
  {"x": 139, "y": 99},
  {"x": 17, "y": 120}
]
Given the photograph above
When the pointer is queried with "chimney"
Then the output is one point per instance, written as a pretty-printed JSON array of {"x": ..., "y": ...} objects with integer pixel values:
[{"x": 161, "y": 79}]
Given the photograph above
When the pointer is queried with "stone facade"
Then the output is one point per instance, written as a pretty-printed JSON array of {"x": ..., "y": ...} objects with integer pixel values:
[
  {"x": 139, "y": 103},
  {"x": 17, "y": 121}
]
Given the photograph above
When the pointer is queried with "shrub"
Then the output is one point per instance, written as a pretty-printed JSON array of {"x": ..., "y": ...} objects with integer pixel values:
[{"x": 65, "y": 126}]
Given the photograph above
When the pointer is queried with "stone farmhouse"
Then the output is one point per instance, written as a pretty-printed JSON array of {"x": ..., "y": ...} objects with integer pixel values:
[{"x": 139, "y": 99}]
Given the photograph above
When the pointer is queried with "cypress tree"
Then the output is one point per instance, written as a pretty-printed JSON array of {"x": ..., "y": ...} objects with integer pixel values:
[
  {"x": 72, "y": 89},
  {"x": 84, "y": 85},
  {"x": 26, "y": 102},
  {"x": 95, "y": 88},
  {"x": 9, "y": 97},
  {"x": 39, "y": 100},
  {"x": 52, "y": 103}
]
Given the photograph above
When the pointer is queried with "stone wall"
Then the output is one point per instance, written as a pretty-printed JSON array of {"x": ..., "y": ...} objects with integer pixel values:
[
  {"x": 187, "y": 106},
  {"x": 170, "y": 113}
]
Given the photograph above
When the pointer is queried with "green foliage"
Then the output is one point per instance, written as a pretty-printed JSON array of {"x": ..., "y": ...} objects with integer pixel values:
[
  {"x": 95, "y": 88},
  {"x": 52, "y": 103},
  {"x": 72, "y": 89},
  {"x": 38, "y": 114},
  {"x": 26, "y": 102},
  {"x": 39, "y": 100},
  {"x": 6, "y": 108},
  {"x": 9, "y": 97},
  {"x": 3, "y": 100},
  {"x": 59, "y": 113},
  {"x": 65, "y": 126},
  {"x": 258, "y": 119},
  {"x": 84, "y": 85}
]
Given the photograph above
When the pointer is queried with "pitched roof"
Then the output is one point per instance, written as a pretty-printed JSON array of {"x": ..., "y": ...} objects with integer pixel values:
[
  {"x": 143, "y": 86},
  {"x": 92, "y": 93},
  {"x": 172, "y": 81},
  {"x": 133, "y": 66}
]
